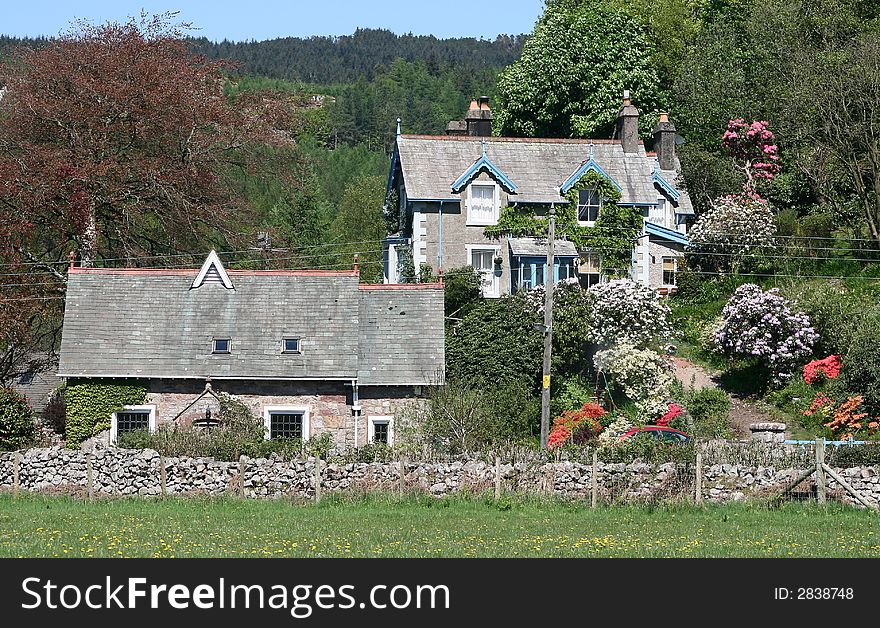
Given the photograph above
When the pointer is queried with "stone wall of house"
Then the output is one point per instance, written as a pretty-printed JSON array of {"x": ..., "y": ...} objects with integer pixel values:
[
  {"x": 657, "y": 252},
  {"x": 116, "y": 472},
  {"x": 329, "y": 403},
  {"x": 457, "y": 235}
]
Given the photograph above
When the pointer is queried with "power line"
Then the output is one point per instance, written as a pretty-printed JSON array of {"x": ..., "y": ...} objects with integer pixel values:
[{"x": 175, "y": 255}]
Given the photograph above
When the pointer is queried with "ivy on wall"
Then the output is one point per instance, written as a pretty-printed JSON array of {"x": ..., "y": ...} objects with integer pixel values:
[
  {"x": 613, "y": 236},
  {"x": 90, "y": 404}
]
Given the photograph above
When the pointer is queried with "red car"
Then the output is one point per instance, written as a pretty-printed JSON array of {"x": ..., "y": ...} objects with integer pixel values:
[{"x": 659, "y": 432}]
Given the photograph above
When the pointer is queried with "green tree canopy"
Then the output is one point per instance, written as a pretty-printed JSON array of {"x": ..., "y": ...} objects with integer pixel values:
[{"x": 572, "y": 73}]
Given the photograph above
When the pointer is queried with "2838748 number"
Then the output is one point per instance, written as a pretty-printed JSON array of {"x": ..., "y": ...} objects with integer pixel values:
[{"x": 825, "y": 593}]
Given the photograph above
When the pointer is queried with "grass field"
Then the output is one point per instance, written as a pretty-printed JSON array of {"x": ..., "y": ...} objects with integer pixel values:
[{"x": 417, "y": 527}]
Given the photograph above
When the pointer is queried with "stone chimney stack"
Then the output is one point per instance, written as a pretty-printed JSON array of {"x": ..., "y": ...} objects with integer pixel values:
[
  {"x": 628, "y": 125},
  {"x": 664, "y": 142},
  {"x": 479, "y": 118}
]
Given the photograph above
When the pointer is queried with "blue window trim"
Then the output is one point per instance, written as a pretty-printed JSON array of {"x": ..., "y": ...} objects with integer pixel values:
[
  {"x": 484, "y": 163},
  {"x": 533, "y": 263},
  {"x": 588, "y": 166}
]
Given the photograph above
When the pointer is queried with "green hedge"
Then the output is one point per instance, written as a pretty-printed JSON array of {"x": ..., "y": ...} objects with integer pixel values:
[
  {"x": 17, "y": 429},
  {"x": 90, "y": 404}
]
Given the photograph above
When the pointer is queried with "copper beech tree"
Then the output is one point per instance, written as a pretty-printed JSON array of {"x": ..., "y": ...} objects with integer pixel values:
[{"x": 115, "y": 142}]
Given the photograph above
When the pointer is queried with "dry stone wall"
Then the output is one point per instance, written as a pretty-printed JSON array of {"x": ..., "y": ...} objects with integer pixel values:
[{"x": 121, "y": 472}]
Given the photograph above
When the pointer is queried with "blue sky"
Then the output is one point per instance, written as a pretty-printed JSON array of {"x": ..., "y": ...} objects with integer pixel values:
[{"x": 252, "y": 19}]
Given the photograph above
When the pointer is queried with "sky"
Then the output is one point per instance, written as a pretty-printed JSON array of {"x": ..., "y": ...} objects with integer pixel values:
[{"x": 244, "y": 20}]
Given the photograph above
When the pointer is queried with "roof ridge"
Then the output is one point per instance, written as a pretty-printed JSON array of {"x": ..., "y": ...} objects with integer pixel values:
[
  {"x": 187, "y": 272},
  {"x": 400, "y": 286},
  {"x": 524, "y": 140}
]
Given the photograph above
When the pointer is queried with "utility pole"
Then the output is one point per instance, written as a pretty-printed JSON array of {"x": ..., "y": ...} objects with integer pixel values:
[{"x": 549, "y": 281}]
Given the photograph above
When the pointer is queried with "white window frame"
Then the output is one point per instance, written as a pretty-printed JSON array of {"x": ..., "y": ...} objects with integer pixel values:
[
  {"x": 496, "y": 204},
  {"x": 371, "y": 427},
  {"x": 674, "y": 270},
  {"x": 268, "y": 411},
  {"x": 495, "y": 279},
  {"x": 588, "y": 223},
  {"x": 149, "y": 408}
]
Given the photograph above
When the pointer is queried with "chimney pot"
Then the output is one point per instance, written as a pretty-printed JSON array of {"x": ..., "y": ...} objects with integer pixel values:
[{"x": 479, "y": 118}]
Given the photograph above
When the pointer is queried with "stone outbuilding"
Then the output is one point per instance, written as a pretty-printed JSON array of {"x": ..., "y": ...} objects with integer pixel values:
[{"x": 309, "y": 351}]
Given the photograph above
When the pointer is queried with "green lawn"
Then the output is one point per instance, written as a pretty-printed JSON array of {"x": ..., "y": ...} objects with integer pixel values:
[{"x": 59, "y": 526}]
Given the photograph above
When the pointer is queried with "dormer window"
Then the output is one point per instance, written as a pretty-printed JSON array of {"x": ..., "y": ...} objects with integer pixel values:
[
  {"x": 482, "y": 204},
  {"x": 589, "y": 203},
  {"x": 221, "y": 345},
  {"x": 290, "y": 345}
]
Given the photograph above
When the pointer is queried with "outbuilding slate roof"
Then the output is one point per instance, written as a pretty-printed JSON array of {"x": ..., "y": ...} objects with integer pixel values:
[
  {"x": 538, "y": 167},
  {"x": 148, "y": 323}
]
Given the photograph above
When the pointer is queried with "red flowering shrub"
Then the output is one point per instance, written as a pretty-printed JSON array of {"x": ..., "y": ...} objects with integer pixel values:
[
  {"x": 818, "y": 369},
  {"x": 673, "y": 411},
  {"x": 578, "y": 426}
]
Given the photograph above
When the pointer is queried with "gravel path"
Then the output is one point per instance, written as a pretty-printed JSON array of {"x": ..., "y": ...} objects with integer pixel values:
[{"x": 743, "y": 412}]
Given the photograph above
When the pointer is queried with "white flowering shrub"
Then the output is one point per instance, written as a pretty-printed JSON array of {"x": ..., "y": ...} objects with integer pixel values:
[
  {"x": 625, "y": 311},
  {"x": 643, "y": 375},
  {"x": 761, "y": 324},
  {"x": 732, "y": 230},
  {"x": 617, "y": 428}
]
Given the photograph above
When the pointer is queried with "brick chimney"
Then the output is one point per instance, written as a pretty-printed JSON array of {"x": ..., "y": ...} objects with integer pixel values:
[
  {"x": 628, "y": 125},
  {"x": 479, "y": 118},
  {"x": 664, "y": 142}
]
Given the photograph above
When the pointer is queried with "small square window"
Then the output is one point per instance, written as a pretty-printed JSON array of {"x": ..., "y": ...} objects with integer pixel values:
[
  {"x": 222, "y": 345},
  {"x": 290, "y": 345},
  {"x": 285, "y": 425},
  {"x": 381, "y": 430}
]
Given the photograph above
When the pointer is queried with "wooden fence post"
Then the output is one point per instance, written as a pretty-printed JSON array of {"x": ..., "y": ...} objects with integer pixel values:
[
  {"x": 594, "y": 480},
  {"x": 90, "y": 476},
  {"x": 820, "y": 471},
  {"x": 242, "y": 468},
  {"x": 16, "y": 474},
  {"x": 401, "y": 474},
  {"x": 497, "y": 477},
  {"x": 699, "y": 489},
  {"x": 317, "y": 479},
  {"x": 163, "y": 477}
]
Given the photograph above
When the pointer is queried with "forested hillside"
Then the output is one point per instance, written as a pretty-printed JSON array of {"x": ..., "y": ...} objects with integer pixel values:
[{"x": 363, "y": 54}]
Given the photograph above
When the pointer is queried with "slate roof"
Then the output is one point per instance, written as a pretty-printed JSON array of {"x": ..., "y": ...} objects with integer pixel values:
[
  {"x": 401, "y": 336},
  {"x": 144, "y": 323},
  {"x": 537, "y": 247},
  {"x": 538, "y": 167}
]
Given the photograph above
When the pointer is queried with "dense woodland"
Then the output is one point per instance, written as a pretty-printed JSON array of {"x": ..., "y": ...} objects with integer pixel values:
[{"x": 288, "y": 168}]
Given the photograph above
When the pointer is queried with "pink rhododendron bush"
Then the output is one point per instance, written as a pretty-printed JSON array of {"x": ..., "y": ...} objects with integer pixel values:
[{"x": 761, "y": 324}]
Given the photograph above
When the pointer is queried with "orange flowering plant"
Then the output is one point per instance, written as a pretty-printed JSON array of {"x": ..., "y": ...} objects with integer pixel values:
[
  {"x": 844, "y": 420},
  {"x": 576, "y": 426}
]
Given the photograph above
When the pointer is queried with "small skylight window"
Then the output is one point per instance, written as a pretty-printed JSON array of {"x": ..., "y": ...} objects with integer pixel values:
[
  {"x": 222, "y": 345},
  {"x": 290, "y": 345}
]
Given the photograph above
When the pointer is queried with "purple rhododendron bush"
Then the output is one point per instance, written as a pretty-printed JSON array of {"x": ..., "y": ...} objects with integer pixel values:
[{"x": 761, "y": 324}]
